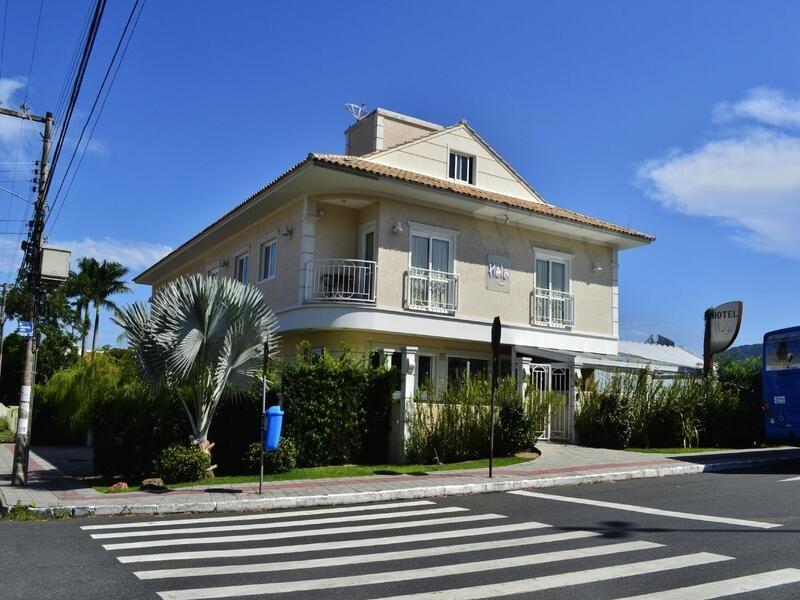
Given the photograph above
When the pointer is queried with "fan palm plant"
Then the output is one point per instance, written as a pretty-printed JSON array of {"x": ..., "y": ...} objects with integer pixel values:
[{"x": 200, "y": 337}]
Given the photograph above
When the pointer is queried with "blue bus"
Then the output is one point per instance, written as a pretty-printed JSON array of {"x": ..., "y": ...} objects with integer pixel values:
[{"x": 781, "y": 378}]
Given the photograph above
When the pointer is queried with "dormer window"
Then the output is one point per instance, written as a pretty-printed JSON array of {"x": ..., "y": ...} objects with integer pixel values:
[{"x": 462, "y": 167}]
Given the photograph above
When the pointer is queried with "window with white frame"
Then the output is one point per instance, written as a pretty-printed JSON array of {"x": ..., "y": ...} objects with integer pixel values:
[
  {"x": 215, "y": 272},
  {"x": 462, "y": 167},
  {"x": 553, "y": 301},
  {"x": 268, "y": 260},
  {"x": 432, "y": 285},
  {"x": 240, "y": 267}
]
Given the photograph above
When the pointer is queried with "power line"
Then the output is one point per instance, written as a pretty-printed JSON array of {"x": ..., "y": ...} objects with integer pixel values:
[
  {"x": 73, "y": 65},
  {"x": 3, "y": 42},
  {"x": 33, "y": 53},
  {"x": 100, "y": 92},
  {"x": 76, "y": 86}
]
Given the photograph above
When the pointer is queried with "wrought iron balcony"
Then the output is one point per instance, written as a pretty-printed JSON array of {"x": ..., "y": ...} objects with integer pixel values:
[
  {"x": 432, "y": 291},
  {"x": 341, "y": 280},
  {"x": 552, "y": 308}
]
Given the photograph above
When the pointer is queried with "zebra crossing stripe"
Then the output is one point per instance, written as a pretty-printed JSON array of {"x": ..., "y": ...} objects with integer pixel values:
[
  {"x": 359, "y": 559},
  {"x": 279, "y": 524},
  {"x": 727, "y": 587},
  {"x": 259, "y": 516},
  {"x": 649, "y": 511},
  {"x": 549, "y": 582},
  {"x": 406, "y": 575},
  {"x": 281, "y": 535},
  {"x": 341, "y": 545}
]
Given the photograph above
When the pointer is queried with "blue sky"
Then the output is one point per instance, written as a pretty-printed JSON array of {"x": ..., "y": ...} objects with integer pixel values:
[{"x": 681, "y": 119}]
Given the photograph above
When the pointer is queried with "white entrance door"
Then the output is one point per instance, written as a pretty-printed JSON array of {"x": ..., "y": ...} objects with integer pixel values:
[{"x": 555, "y": 378}]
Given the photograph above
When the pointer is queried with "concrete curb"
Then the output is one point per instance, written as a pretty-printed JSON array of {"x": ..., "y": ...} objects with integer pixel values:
[{"x": 439, "y": 491}]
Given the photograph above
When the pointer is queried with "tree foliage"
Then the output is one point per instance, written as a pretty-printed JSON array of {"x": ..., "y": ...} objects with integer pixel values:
[{"x": 200, "y": 337}]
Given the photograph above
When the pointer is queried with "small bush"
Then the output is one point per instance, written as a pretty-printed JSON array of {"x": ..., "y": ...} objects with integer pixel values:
[
  {"x": 3, "y": 424},
  {"x": 281, "y": 460},
  {"x": 178, "y": 463}
]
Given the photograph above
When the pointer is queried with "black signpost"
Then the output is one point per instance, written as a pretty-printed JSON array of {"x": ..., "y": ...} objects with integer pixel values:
[
  {"x": 263, "y": 417},
  {"x": 496, "y": 327}
]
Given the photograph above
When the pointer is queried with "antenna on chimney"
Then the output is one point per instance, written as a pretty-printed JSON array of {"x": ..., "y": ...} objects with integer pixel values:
[{"x": 358, "y": 112}]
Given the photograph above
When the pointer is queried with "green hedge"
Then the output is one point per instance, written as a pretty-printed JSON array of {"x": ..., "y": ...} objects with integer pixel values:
[{"x": 337, "y": 409}]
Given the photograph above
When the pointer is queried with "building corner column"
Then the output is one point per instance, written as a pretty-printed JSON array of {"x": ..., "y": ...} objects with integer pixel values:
[
  {"x": 308, "y": 230},
  {"x": 403, "y": 408}
]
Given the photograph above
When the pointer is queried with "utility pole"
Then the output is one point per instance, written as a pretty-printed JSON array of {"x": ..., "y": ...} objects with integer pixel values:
[
  {"x": 3, "y": 319},
  {"x": 19, "y": 472}
]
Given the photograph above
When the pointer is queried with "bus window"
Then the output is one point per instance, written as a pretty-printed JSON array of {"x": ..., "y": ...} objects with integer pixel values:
[{"x": 782, "y": 351}]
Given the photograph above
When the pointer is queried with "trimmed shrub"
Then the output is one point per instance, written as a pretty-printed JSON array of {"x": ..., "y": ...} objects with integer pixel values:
[
  {"x": 279, "y": 461},
  {"x": 178, "y": 463},
  {"x": 337, "y": 409}
]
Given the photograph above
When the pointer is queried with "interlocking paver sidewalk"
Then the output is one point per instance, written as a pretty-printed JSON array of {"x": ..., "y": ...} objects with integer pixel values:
[{"x": 50, "y": 489}]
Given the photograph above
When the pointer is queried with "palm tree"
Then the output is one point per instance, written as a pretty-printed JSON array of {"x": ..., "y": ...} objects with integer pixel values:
[
  {"x": 200, "y": 337},
  {"x": 79, "y": 287},
  {"x": 105, "y": 280}
]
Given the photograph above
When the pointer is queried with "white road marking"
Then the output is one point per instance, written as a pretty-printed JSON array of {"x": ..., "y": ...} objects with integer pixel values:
[
  {"x": 790, "y": 479},
  {"x": 279, "y": 524},
  {"x": 407, "y": 575},
  {"x": 549, "y": 582},
  {"x": 358, "y": 559},
  {"x": 727, "y": 587},
  {"x": 261, "y": 516},
  {"x": 281, "y": 535},
  {"x": 341, "y": 545},
  {"x": 649, "y": 511}
]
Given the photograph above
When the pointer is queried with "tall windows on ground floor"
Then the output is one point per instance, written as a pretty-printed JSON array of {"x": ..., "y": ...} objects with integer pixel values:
[{"x": 463, "y": 369}]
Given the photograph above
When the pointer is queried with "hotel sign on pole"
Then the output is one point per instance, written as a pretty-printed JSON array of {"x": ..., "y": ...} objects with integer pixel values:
[{"x": 722, "y": 327}]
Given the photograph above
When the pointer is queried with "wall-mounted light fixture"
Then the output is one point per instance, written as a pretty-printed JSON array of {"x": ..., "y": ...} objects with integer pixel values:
[
  {"x": 596, "y": 266},
  {"x": 397, "y": 228},
  {"x": 321, "y": 212},
  {"x": 287, "y": 231}
]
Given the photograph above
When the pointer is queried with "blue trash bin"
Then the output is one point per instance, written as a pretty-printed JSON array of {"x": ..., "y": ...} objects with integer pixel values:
[{"x": 272, "y": 435}]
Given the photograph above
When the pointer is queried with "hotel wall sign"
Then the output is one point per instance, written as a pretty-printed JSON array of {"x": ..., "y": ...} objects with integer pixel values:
[{"x": 498, "y": 273}]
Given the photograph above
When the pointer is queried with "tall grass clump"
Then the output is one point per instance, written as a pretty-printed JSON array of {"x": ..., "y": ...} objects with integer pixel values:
[
  {"x": 453, "y": 424},
  {"x": 637, "y": 409}
]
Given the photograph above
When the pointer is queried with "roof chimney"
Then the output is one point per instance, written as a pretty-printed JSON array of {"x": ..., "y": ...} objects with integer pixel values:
[{"x": 382, "y": 129}]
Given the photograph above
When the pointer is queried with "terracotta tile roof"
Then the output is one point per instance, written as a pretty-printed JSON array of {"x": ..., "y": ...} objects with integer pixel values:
[
  {"x": 365, "y": 166},
  {"x": 548, "y": 210}
]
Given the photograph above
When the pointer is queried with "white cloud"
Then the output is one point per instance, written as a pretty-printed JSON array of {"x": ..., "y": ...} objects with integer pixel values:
[
  {"x": 749, "y": 179},
  {"x": 765, "y": 105},
  {"x": 135, "y": 255}
]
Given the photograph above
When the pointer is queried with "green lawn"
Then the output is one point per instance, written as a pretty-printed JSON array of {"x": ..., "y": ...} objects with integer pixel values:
[
  {"x": 345, "y": 471},
  {"x": 676, "y": 450}
]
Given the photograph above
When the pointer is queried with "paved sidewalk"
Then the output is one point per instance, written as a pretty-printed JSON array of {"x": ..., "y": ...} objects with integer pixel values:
[{"x": 50, "y": 490}]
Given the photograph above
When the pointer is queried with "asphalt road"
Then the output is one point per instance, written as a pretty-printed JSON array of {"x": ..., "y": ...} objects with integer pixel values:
[{"x": 702, "y": 536}]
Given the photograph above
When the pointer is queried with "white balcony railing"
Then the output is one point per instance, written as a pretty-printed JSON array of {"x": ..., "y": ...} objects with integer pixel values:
[
  {"x": 552, "y": 308},
  {"x": 341, "y": 280},
  {"x": 433, "y": 291}
]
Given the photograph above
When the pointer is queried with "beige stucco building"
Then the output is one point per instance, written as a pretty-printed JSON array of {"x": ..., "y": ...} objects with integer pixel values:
[{"x": 409, "y": 245}]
